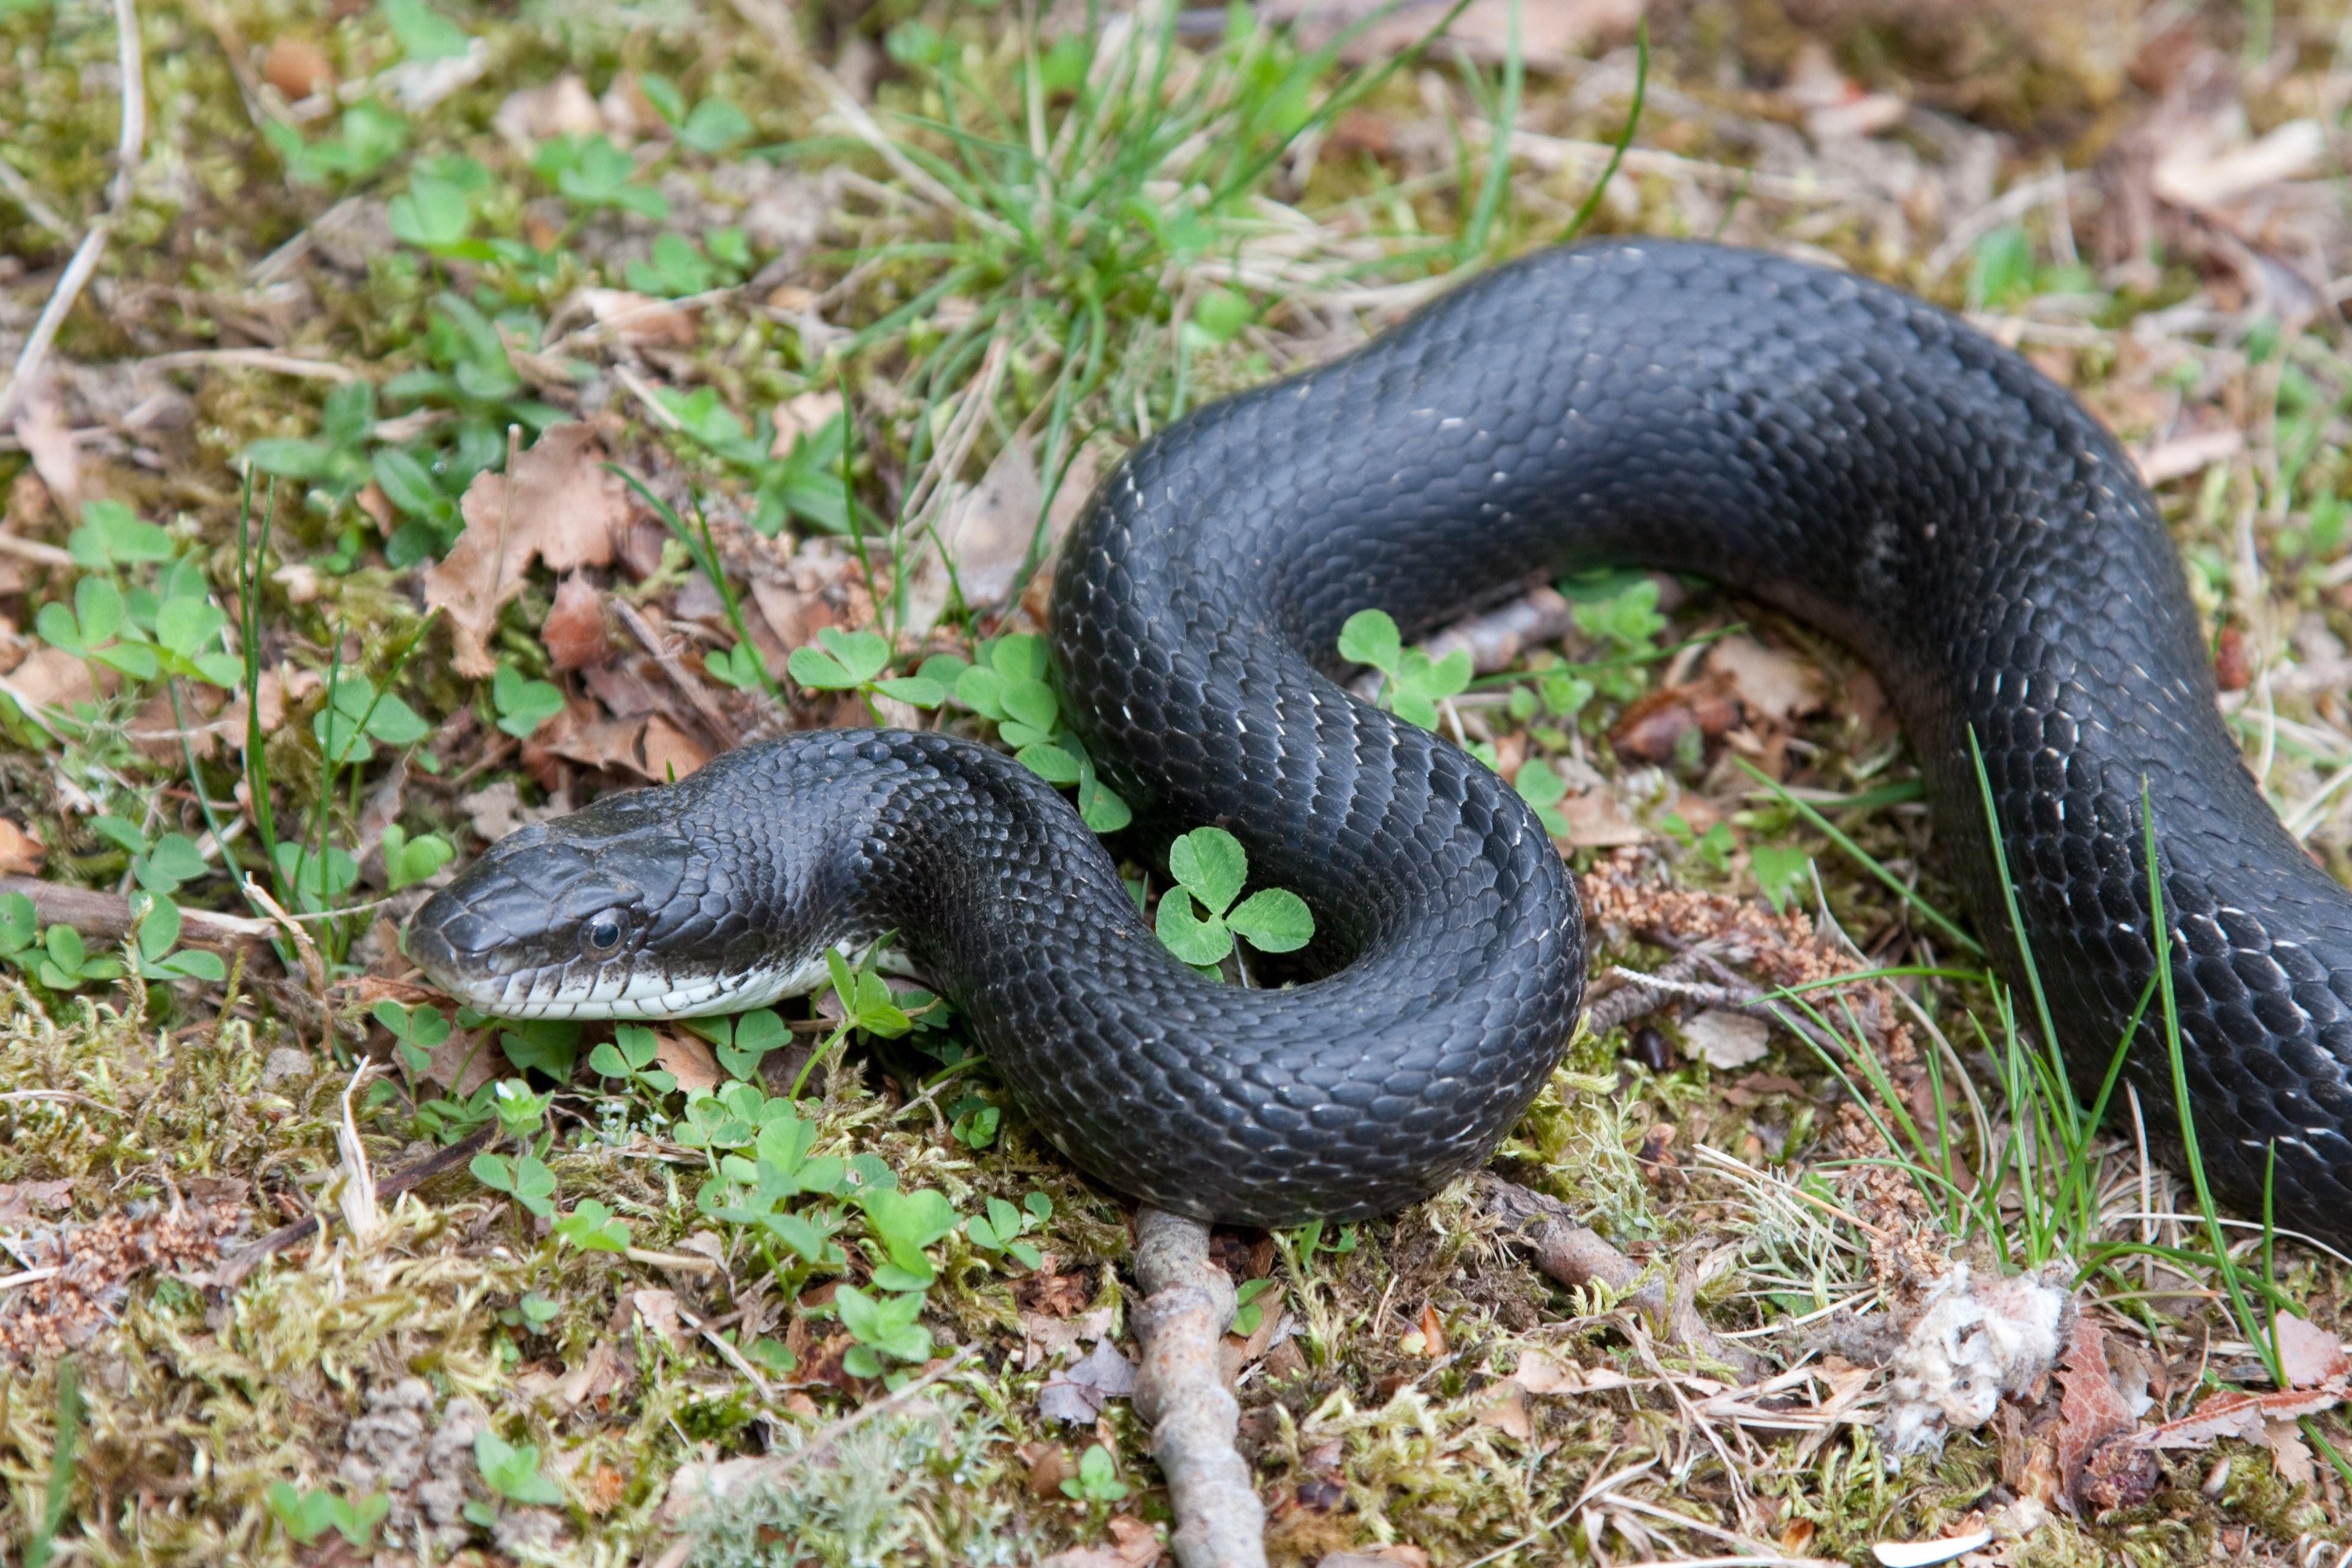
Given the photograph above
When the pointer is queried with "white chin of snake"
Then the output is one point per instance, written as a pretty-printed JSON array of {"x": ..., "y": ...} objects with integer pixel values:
[{"x": 587, "y": 994}]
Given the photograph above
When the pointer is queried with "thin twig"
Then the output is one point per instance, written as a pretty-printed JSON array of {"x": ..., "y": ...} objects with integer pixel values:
[
  {"x": 234, "y": 1268},
  {"x": 1188, "y": 1303},
  {"x": 92, "y": 249},
  {"x": 104, "y": 917}
]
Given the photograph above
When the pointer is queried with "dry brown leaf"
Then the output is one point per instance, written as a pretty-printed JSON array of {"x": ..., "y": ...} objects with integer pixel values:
[
  {"x": 2090, "y": 1409},
  {"x": 985, "y": 537},
  {"x": 2232, "y": 1414},
  {"x": 467, "y": 1059},
  {"x": 21, "y": 1203},
  {"x": 559, "y": 506},
  {"x": 1507, "y": 1412},
  {"x": 1132, "y": 1545},
  {"x": 1653, "y": 727},
  {"x": 576, "y": 632},
  {"x": 50, "y": 675},
  {"x": 1596, "y": 820},
  {"x": 657, "y": 1310},
  {"x": 2289, "y": 1452},
  {"x": 640, "y": 321},
  {"x": 651, "y": 747},
  {"x": 563, "y": 107},
  {"x": 1076, "y": 1395},
  {"x": 1433, "y": 1332},
  {"x": 1767, "y": 682},
  {"x": 21, "y": 854},
  {"x": 1725, "y": 1039},
  {"x": 2209, "y": 171},
  {"x": 1539, "y": 1373},
  {"x": 600, "y": 1372},
  {"x": 2309, "y": 1357},
  {"x": 686, "y": 1059},
  {"x": 804, "y": 414},
  {"x": 48, "y": 440},
  {"x": 298, "y": 67}
]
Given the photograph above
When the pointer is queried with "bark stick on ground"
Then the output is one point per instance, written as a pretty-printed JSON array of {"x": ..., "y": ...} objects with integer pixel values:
[{"x": 1188, "y": 1303}]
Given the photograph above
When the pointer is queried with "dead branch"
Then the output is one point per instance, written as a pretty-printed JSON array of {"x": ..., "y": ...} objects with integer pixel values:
[
  {"x": 105, "y": 918},
  {"x": 1188, "y": 1303}
]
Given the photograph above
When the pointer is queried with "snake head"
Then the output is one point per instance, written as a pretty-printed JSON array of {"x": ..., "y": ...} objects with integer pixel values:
[{"x": 639, "y": 907}]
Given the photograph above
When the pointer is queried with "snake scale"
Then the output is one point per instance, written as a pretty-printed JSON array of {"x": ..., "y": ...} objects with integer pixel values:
[{"x": 1831, "y": 446}]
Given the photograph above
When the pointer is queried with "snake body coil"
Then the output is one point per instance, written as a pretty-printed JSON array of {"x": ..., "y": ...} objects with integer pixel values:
[{"x": 1826, "y": 445}]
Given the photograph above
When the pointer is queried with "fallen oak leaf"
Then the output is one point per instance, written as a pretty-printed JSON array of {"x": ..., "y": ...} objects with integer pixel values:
[
  {"x": 2308, "y": 1356},
  {"x": 560, "y": 505},
  {"x": 21, "y": 853},
  {"x": 1077, "y": 1395},
  {"x": 1133, "y": 1544},
  {"x": 2233, "y": 1415},
  {"x": 2091, "y": 1411},
  {"x": 1767, "y": 682},
  {"x": 576, "y": 633}
]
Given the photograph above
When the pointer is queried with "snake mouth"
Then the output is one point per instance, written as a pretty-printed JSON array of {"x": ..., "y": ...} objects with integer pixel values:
[{"x": 485, "y": 970}]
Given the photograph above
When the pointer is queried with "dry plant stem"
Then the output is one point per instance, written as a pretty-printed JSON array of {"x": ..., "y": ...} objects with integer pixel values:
[
  {"x": 1188, "y": 1303},
  {"x": 105, "y": 918},
  {"x": 714, "y": 718},
  {"x": 1577, "y": 1256},
  {"x": 234, "y": 1269},
  {"x": 92, "y": 249}
]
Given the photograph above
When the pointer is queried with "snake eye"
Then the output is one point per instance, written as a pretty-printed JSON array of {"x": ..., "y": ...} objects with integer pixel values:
[{"x": 601, "y": 936}]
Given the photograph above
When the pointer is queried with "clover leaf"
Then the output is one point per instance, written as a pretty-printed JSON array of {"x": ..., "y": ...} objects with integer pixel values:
[
  {"x": 1411, "y": 684},
  {"x": 1198, "y": 919}
]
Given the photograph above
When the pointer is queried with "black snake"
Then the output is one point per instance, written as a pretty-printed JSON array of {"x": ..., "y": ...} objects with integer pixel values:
[{"x": 1828, "y": 445}]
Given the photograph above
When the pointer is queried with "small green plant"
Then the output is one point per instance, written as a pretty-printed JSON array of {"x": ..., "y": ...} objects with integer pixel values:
[
  {"x": 594, "y": 175},
  {"x": 523, "y": 704},
  {"x": 884, "y": 1327},
  {"x": 808, "y": 482},
  {"x": 1249, "y": 1306},
  {"x": 1619, "y": 610},
  {"x": 1198, "y": 918},
  {"x": 305, "y": 1515},
  {"x": 161, "y": 867},
  {"x": 423, "y": 33},
  {"x": 1540, "y": 785},
  {"x": 523, "y": 1177},
  {"x": 408, "y": 861},
  {"x": 511, "y": 1471},
  {"x": 1713, "y": 849},
  {"x": 1000, "y": 1227},
  {"x": 592, "y": 1227},
  {"x": 334, "y": 464},
  {"x": 366, "y": 138},
  {"x": 1009, "y": 687},
  {"x": 902, "y": 1224},
  {"x": 1411, "y": 684},
  {"x": 533, "y": 1313},
  {"x": 629, "y": 1056},
  {"x": 157, "y": 933},
  {"x": 855, "y": 661},
  {"x": 358, "y": 714},
  {"x": 417, "y": 1031},
  {"x": 1097, "y": 1478},
  {"x": 111, "y": 534},
  {"x": 712, "y": 126},
  {"x": 1779, "y": 871}
]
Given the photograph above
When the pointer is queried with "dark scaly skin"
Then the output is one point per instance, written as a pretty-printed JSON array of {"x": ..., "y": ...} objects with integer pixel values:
[{"x": 1827, "y": 445}]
